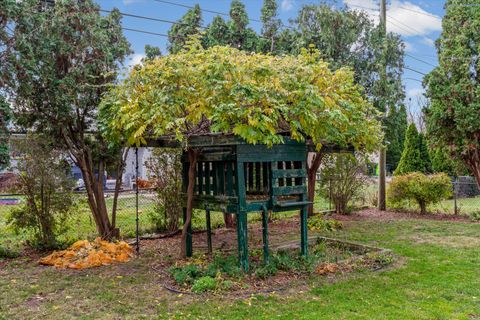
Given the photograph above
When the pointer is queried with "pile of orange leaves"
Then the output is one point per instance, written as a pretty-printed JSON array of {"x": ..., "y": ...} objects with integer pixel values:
[{"x": 85, "y": 254}]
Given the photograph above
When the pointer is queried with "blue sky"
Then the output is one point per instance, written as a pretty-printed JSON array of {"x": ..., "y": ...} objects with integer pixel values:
[{"x": 417, "y": 21}]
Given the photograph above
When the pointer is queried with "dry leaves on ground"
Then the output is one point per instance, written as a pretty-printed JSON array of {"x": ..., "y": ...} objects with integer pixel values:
[{"x": 85, "y": 254}]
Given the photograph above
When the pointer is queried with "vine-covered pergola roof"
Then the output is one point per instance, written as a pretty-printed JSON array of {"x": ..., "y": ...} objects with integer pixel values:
[{"x": 222, "y": 139}]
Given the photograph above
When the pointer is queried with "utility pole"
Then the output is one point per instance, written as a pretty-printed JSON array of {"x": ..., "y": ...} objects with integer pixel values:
[{"x": 383, "y": 78}]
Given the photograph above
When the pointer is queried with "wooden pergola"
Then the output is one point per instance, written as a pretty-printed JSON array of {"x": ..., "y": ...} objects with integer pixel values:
[{"x": 233, "y": 176}]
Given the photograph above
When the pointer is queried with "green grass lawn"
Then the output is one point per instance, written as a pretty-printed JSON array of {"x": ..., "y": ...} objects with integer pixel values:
[{"x": 436, "y": 276}]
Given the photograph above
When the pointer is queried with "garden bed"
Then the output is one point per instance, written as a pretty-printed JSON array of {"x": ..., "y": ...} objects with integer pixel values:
[{"x": 219, "y": 272}]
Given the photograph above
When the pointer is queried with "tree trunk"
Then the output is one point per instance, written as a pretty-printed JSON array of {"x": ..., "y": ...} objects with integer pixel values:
[
  {"x": 96, "y": 196},
  {"x": 474, "y": 163},
  {"x": 229, "y": 219},
  {"x": 118, "y": 185},
  {"x": 192, "y": 159},
  {"x": 312, "y": 178},
  {"x": 423, "y": 207}
]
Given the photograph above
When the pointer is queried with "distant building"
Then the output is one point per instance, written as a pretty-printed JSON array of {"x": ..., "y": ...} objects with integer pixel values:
[
  {"x": 128, "y": 178},
  {"x": 144, "y": 155}
]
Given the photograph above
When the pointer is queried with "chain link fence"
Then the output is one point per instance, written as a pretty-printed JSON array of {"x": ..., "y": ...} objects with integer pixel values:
[
  {"x": 465, "y": 198},
  {"x": 81, "y": 221}
]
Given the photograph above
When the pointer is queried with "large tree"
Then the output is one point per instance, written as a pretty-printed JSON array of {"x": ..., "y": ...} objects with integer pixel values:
[
  {"x": 61, "y": 58},
  {"x": 270, "y": 24},
  {"x": 260, "y": 96},
  {"x": 395, "y": 128},
  {"x": 453, "y": 116},
  {"x": 350, "y": 38},
  {"x": 241, "y": 36}
]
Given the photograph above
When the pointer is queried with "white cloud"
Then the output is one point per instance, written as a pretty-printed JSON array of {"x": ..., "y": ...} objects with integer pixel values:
[
  {"x": 135, "y": 59},
  {"x": 129, "y": 2},
  {"x": 429, "y": 42},
  {"x": 403, "y": 17},
  {"x": 287, "y": 5},
  {"x": 415, "y": 92},
  {"x": 409, "y": 47}
]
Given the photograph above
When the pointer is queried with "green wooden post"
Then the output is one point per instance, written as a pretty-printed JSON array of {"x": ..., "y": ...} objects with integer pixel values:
[
  {"x": 209, "y": 229},
  {"x": 303, "y": 218},
  {"x": 303, "y": 232},
  {"x": 242, "y": 236},
  {"x": 189, "y": 249},
  {"x": 266, "y": 254}
]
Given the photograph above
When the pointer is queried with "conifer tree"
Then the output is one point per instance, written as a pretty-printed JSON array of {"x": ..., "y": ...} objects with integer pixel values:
[
  {"x": 453, "y": 115},
  {"x": 217, "y": 33},
  {"x": 415, "y": 156},
  {"x": 187, "y": 26},
  {"x": 395, "y": 129},
  {"x": 58, "y": 62},
  {"x": 424, "y": 154},
  {"x": 241, "y": 36},
  {"x": 271, "y": 23}
]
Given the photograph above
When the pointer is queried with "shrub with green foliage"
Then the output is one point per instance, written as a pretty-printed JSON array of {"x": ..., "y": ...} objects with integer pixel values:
[
  {"x": 204, "y": 284},
  {"x": 266, "y": 271},
  {"x": 475, "y": 216},
  {"x": 165, "y": 170},
  {"x": 343, "y": 176},
  {"x": 7, "y": 253},
  {"x": 44, "y": 179},
  {"x": 186, "y": 274},
  {"x": 421, "y": 188}
]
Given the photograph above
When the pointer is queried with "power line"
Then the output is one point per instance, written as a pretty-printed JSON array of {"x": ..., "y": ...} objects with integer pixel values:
[
  {"x": 415, "y": 58},
  {"x": 361, "y": 7},
  {"x": 146, "y": 32},
  {"x": 408, "y": 68},
  {"x": 400, "y": 22},
  {"x": 413, "y": 79},
  {"x": 212, "y": 11},
  {"x": 192, "y": 7},
  {"x": 420, "y": 12},
  {"x": 146, "y": 18},
  {"x": 400, "y": 27}
]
